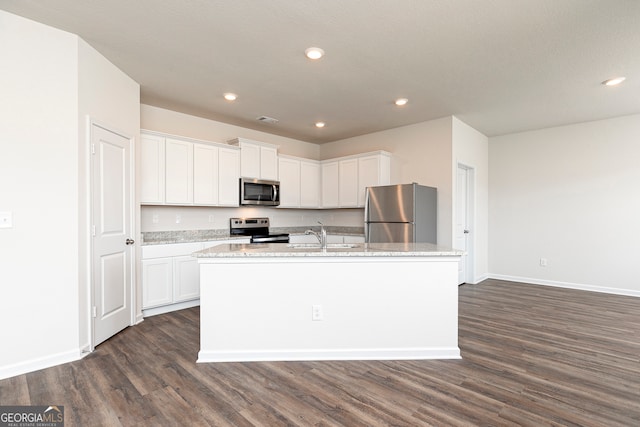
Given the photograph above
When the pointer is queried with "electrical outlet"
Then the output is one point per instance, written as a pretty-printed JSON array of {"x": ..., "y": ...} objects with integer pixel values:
[
  {"x": 543, "y": 262},
  {"x": 211, "y": 218},
  {"x": 178, "y": 219},
  {"x": 155, "y": 218},
  {"x": 316, "y": 312},
  {"x": 6, "y": 220}
]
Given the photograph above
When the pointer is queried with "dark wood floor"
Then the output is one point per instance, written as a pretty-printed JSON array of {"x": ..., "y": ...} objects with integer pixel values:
[{"x": 532, "y": 355}]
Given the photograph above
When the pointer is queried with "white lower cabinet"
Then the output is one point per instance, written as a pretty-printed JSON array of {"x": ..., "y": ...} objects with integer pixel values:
[
  {"x": 171, "y": 276},
  {"x": 157, "y": 282},
  {"x": 186, "y": 278}
]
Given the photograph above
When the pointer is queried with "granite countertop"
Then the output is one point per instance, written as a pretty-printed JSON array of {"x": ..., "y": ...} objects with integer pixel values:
[
  {"x": 188, "y": 236},
  {"x": 333, "y": 250}
]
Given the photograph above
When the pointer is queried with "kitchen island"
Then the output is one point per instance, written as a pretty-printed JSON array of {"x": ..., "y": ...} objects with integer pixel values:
[{"x": 270, "y": 302}]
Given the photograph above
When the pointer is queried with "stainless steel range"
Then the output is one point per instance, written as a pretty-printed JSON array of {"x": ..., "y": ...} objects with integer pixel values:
[{"x": 257, "y": 228}]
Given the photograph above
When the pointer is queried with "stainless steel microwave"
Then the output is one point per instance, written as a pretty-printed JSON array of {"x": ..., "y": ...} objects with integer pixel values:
[{"x": 259, "y": 192}]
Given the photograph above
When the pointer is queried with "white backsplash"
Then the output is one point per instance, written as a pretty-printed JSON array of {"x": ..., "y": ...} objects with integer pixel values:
[{"x": 171, "y": 218}]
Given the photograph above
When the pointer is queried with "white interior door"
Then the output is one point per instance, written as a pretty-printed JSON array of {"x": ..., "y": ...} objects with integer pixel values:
[
  {"x": 463, "y": 191},
  {"x": 111, "y": 228}
]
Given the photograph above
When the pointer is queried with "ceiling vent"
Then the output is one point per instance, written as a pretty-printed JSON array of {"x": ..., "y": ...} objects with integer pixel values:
[{"x": 266, "y": 119}]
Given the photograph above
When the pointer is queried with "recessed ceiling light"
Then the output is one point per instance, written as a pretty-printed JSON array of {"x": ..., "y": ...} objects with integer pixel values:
[
  {"x": 314, "y": 53},
  {"x": 230, "y": 96},
  {"x": 401, "y": 101},
  {"x": 320, "y": 124},
  {"x": 614, "y": 81}
]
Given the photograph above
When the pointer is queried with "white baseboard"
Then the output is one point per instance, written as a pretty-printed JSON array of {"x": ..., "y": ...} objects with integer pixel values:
[
  {"x": 579, "y": 286},
  {"x": 169, "y": 308},
  {"x": 319, "y": 354},
  {"x": 139, "y": 318},
  {"x": 27, "y": 366}
]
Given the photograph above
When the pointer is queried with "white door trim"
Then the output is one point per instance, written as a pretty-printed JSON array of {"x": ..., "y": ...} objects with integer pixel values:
[{"x": 91, "y": 122}]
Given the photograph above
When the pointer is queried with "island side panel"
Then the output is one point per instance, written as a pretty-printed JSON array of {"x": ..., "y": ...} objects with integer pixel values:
[{"x": 258, "y": 308}]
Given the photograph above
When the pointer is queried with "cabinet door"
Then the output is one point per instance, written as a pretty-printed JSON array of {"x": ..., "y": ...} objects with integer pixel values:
[
  {"x": 309, "y": 184},
  {"x": 369, "y": 169},
  {"x": 186, "y": 278},
  {"x": 289, "y": 175},
  {"x": 157, "y": 282},
  {"x": 228, "y": 177},
  {"x": 330, "y": 181},
  {"x": 205, "y": 174},
  {"x": 348, "y": 183},
  {"x": 152, "y": 169},
  {"x": 250, "y": 160},
  {"x": 268, "y": 163},
  {"x": 179, "y": 172}
]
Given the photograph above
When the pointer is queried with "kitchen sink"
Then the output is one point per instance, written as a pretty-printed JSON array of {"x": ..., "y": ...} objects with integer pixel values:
[{"x": 318, "y": 246}]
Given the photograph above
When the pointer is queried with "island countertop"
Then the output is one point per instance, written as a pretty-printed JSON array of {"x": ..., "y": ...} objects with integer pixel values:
[{"x": 332, "y": 250}]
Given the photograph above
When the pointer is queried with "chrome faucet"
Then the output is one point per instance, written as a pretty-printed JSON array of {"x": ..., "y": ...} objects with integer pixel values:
[{"x": 321, "y": 236}]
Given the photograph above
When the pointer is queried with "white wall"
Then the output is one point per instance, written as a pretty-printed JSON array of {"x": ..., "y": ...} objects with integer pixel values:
[
  {"x": 167, "y": 121},
  {"x": 39, "y": 185},
  {"x": 50, "y": 81},
  {"x": 471, "y": 149},
  {"x": 422, "y": 153},
  {"x": 112, "y": 98},
  {"x": 568, "y": 194}
]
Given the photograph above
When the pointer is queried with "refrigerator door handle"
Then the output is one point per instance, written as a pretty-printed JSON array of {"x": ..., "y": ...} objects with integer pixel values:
[{"x": 366, "y": 215}]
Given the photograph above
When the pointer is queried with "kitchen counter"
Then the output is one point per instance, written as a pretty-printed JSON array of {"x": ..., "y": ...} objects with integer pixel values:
[
  {"x": 333, "y": 250},
  {"x": 273, "y": 302},
  {"x": 188, "y": 236}
]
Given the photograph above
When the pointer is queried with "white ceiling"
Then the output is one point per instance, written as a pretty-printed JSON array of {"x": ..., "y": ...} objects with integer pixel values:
[{"x": 501, "y": 66}]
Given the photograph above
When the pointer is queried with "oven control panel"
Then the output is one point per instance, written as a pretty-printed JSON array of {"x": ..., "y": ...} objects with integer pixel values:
[{"x": 235, "y": 223}]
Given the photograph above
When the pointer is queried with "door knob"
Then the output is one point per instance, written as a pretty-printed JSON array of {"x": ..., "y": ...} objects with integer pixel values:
[
  {"x": 129, "y": 241},
  {"x": 466, "y": 231}
]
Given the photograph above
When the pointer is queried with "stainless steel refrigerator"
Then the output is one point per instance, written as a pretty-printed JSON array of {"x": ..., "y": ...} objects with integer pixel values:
[{"x": 403, "y": 213}]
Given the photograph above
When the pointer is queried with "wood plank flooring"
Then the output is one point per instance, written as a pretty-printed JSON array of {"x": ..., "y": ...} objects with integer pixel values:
[{"x": 532, "y": 355}]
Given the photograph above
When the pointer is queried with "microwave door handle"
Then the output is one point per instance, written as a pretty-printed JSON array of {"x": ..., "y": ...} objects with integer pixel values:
[{"x": 274, "y": 192}]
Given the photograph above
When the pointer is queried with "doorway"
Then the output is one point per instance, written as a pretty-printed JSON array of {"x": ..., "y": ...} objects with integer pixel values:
[
  {"x": 111, "y": 231},
  {"x": 465, "y": 182}
]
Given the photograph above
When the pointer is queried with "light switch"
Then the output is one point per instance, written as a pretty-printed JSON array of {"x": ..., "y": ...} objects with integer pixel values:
[{"x": 6, "y": 220}]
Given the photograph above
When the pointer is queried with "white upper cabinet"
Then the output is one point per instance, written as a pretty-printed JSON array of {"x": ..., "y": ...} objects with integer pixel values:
[
  {"x": 229, "y": 176},
  {"x": 178, "y": 172},
  {"x": 309, "y": 184},
  {"x": 205, "y": 174},
  {"x": 373, "y": 170},
  {"x": 152, "y": 169},
  {"x": 289, "y": 177},
  {"x": 299, "y": 182},
  {"x": 181, "y": 171},
  {"x": 257, "y": 159},
  {"x": 330, "y": 184},
  {"x": 348, "y": 183},
  {"x": 345, "y": 179}
]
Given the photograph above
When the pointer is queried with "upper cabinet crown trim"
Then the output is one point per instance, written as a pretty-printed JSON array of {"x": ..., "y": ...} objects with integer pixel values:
[
  {"x": 238, "y": 141},
  {"x": 186, "y": 138},
  {"x": 359, "y": 155}
]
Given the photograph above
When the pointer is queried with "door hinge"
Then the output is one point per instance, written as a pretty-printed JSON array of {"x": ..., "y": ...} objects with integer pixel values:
[
  {"x": 94, "y": 311},
  {"x": 93, "y": 148},
  {"x": 93, "y": 230}
]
